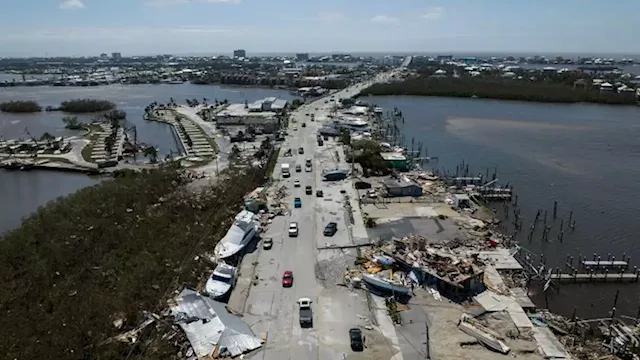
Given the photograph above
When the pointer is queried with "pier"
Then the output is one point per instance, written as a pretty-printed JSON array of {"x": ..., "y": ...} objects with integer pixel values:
[{"x": 596, "y": 277}]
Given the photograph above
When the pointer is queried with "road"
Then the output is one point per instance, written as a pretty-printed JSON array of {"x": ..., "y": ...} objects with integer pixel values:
[{"x": 270, "y": 309}]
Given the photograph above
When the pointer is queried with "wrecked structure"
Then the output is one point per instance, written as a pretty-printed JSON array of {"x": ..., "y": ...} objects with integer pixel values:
[{"x": 211, "y": 329}]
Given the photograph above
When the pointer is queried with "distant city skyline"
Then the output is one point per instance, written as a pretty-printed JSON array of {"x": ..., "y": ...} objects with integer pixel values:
[{"x": 147, "y": 27}]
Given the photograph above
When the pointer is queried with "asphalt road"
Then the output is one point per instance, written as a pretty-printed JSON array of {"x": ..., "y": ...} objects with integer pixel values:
[{"x": 271, "y": 309}]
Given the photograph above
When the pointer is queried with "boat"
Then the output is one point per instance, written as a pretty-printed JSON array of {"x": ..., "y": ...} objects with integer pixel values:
[
  {"x": 334, "y": 175},
  {"x": 221, "y": 281},
  {"x": 243, "y": 229},
  {"x": 386, "y": 284}
]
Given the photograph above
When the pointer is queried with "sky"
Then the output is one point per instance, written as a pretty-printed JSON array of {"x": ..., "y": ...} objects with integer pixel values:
[{"x": 147, "y": 27}]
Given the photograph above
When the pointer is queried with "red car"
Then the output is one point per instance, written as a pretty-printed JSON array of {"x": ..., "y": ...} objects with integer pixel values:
[{"x": 287, "y": 278}]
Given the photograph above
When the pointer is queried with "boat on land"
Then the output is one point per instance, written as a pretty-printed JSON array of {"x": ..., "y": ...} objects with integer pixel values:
[
  {"x": 386, "y": 284},
  {"x": 334, "y": 175},
  {"x": 239, "y": 235},
  {"x": 221, "y": 281}
]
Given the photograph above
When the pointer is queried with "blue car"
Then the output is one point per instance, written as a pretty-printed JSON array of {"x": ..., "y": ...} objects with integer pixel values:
[{"x": 297, "y": 202}]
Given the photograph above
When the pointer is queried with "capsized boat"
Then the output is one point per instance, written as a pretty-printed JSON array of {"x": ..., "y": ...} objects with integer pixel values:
[
  {"x": 221, "y": 281},
  {"x": 386, "y": 284},
  {"x": 243, "y": 229}
]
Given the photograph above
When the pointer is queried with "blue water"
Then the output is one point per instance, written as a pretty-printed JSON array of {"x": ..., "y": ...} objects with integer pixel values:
[
  {"x": 22, "y": 192},
  {"x": 584, "y": 156}
]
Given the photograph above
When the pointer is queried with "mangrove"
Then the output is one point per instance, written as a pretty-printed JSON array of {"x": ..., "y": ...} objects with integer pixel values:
[
  {"x": 86, "y": 106},
  {"x": 87, "y": 267},
  {"x": 26, "y": 106},
  {"x": 501, "y": 89}
]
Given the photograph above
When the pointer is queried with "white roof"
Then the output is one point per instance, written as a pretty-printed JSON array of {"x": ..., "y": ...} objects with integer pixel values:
[{"x": 208, "y": 324}]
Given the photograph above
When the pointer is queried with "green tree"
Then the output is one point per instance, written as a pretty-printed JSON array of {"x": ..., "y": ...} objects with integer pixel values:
[{"x": 151, "y": 153}]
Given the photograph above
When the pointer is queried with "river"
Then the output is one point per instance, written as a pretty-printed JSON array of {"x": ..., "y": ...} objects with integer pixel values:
[
  {"x": 23, "y": 192},
  {"x": 585, "y": 156}
]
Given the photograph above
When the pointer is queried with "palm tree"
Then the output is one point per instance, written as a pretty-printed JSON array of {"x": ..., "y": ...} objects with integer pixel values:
[{"x": 151, "y": 153}]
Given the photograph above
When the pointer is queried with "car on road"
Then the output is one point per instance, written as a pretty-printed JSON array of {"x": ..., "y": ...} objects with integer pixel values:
[
  {"x": 308, "y": 190},
  {"x": 308, "y": 168},
  {"x": 330, "y": 229},
  {"x": 295, "y": 129},
  {"x": 293, "y": 229},
  {"x": 287, "y": 278},
  {"x": 304, "y": 125},
  {"x": 356, "y": 339},
  {"x": 267, "y": 243},
  {"x": 296, "y": 183},
  {"x": 300, "y": 150},
  {"x": 319, "y": 193},
  {"x": 306, "y": 314},
  {"x": 297, "y": 202},
  {"x": 298, "y": 168}
]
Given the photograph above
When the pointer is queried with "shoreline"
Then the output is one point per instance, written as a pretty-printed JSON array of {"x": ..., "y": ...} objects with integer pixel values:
[{"x": 511, "y": 90}]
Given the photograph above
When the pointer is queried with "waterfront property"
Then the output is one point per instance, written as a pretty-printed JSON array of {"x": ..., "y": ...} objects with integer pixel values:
[
  {"x": 262, "y": 113},
  {"x": 191, "y": 137}
]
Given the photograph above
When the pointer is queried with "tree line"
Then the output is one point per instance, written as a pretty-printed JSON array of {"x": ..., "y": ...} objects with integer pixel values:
[
  {"x": 502, "y": 89},
  {"x": 109, "y": 252}
]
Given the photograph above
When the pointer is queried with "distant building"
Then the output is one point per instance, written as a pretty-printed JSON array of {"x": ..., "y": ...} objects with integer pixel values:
[
  {"x": 302, "y": 56},
  {"x": 395, "y": 160},
  {"x": 104, "y": 55},
  {"x": 116, "y": 56},
  {"x": 402, "y": 188},
  {"x": 239, "y": 53}
]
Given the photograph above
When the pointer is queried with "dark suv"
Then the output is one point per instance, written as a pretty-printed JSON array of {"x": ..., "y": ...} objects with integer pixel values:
[
  {"x": 330, "y": 229},
  {"x": 355, "y": 337},
  {"x": 308, "y": 190}
]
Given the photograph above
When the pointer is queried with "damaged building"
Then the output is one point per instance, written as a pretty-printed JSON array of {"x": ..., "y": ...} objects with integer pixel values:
[{"x": 211, "y": 329}]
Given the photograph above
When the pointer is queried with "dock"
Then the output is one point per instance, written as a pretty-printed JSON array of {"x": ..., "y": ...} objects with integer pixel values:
[{"x": 595, "y": 277}]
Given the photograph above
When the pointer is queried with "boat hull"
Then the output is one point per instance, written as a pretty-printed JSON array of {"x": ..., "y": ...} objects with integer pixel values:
[{"x": 380, "y": 284}]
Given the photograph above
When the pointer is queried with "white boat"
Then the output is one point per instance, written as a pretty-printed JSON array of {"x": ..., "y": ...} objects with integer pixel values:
[
  {"x": 243, "y": 229},
  {"x": 221, "y": 281},
  {"x": 383, "y": 283}
]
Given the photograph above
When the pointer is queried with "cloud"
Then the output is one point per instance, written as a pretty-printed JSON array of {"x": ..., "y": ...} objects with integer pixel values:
[
  {"x": 384, "y": 19},
  {"x": 434, "y": 13},
  {"x": 72, "y": 4},
  {"x": 160, "y": 3}
]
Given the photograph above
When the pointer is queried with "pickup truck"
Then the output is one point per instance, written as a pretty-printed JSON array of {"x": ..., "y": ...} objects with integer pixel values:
[{"x": 306, "y": 314}]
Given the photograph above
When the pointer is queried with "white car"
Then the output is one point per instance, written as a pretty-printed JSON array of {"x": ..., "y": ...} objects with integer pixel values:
[
  {"x": 293, "y": 229},
  {"x": 307, "y": 169},
  {"x": 296, "y": 183}
]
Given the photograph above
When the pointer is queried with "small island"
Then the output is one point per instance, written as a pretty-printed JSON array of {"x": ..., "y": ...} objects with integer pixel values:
[
  {"x": 81, "y": 106},
  {"x": 27, "y": 106}
]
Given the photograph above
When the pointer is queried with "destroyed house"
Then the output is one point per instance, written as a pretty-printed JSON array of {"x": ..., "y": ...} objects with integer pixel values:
[
  {"x": 210, "y": 328},
  {"x": 453, "y": 277},
  {"x": 395, "y": 187}
]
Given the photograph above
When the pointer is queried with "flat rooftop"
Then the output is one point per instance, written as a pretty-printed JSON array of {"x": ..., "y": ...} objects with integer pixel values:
[{"x": 240, "y": 110}]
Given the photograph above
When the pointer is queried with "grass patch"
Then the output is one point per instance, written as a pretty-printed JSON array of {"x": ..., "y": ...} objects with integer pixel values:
[{"x": 115, "y": 249}]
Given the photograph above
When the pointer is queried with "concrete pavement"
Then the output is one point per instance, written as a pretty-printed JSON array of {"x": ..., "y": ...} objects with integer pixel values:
[{"x": 269, "y": 308}]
